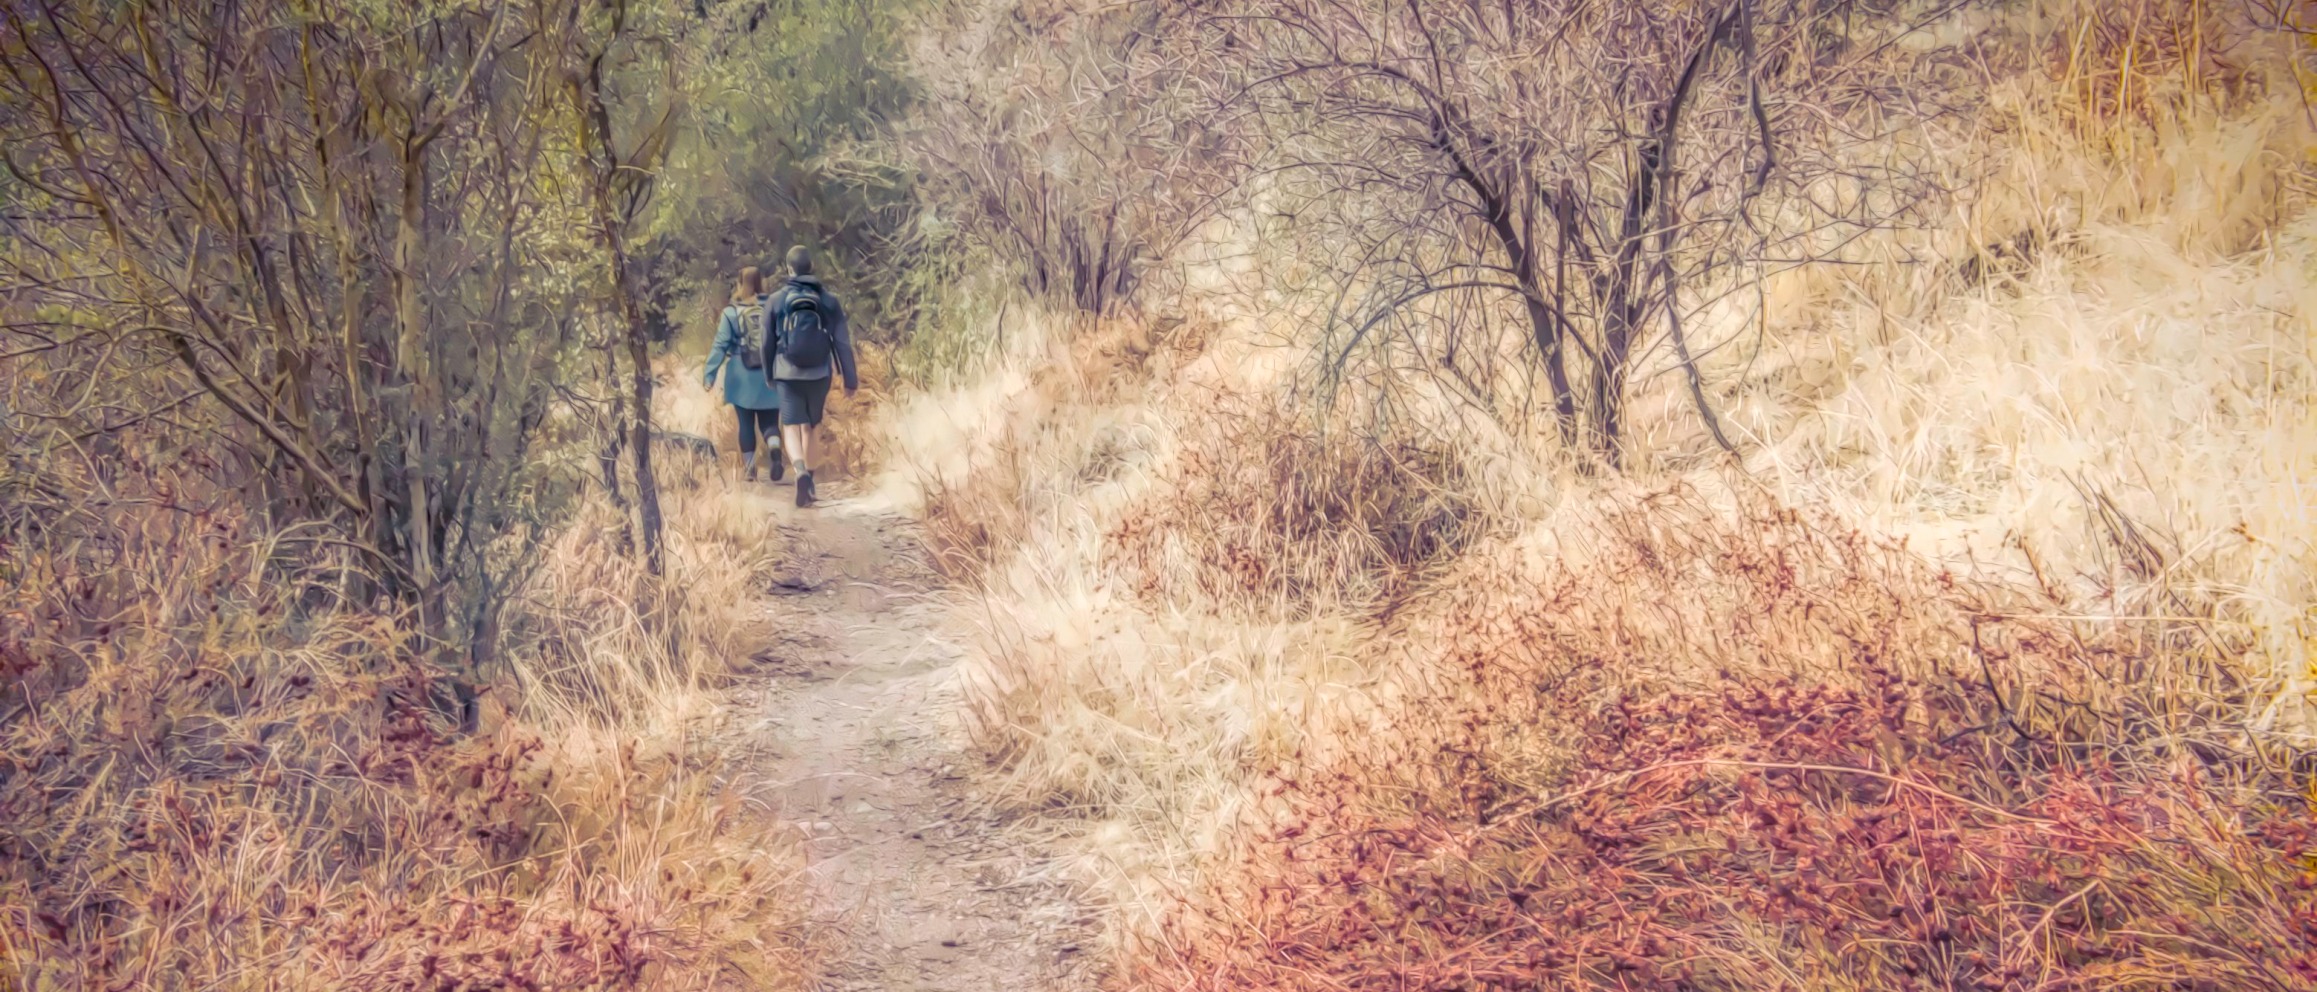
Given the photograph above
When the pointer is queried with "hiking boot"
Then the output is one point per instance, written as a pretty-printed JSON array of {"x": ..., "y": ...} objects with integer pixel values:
[
  {"x": 804, "y": 489},
  {"x": 779, "y": 465}
]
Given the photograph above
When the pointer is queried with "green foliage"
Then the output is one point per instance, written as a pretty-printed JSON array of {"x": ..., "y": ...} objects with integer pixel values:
[
  {"x": 955, "y": 295},
  {"x": 789, "y": 94}
]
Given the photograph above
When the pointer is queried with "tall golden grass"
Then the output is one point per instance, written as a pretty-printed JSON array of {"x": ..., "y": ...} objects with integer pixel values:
[
  {"x": 2120, "y": 413},
  {"x": 1327, "y": 707}
]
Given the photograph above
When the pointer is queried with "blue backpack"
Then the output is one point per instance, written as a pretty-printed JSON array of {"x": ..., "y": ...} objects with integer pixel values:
[{"x": 802, "y": 336}]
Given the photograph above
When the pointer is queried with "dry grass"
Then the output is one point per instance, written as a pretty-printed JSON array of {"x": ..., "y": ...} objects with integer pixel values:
[
  {"x": 1270, "y": 519},
  {"x": 2013, "y": 705},
  {"x": 227, "y": 769},
  {"x": 2120, "y": 414}
]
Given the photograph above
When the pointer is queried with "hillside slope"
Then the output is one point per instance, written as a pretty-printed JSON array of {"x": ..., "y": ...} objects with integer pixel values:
[{"x": 1985, "y": 664}]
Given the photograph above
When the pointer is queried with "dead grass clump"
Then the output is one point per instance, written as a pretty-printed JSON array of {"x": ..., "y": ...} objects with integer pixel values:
[
  {"x": 1112, "y": 355},
  {"x": 2140, "y": 353},
  {"x": 987, "y": 466},
  {"x": 2117, "y": 62},
  {"x": 1270, "y": 518},
  {"x": 1696, "y": 751},
  {"x": 971, "y": 523},
  {"x": 639, "y": 875}
]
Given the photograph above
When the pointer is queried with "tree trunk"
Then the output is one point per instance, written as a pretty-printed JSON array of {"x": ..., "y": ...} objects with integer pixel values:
[
  {"x": 339, "y": 219},
  {"x": 596, "y": 118},
  {"x": 647, "y": 487},
  {"x": 411, "y": 360},
  {"x": 1520, "y": 257},
  {"x": 1556, "y": 359},
  {"x": 1622, "y": 296},
  {"x": 1621, "y": 311},
  {"x": 608, "y": 458}
]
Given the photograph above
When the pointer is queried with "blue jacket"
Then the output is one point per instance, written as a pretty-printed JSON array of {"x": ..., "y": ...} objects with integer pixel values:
[
  {"x": 833, "y": 316},
  {"x": 744, "y": 387}
]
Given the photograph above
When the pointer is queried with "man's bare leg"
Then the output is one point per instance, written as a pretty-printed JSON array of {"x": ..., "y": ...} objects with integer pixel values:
[{"x": 796, "y": 440}]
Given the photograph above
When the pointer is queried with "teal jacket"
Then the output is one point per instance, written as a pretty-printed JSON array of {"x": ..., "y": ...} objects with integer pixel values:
[{"x": 744, "y": 387}]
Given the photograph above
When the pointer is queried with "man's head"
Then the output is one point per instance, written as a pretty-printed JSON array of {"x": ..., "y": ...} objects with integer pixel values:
[{"x": 800, "y": 261}]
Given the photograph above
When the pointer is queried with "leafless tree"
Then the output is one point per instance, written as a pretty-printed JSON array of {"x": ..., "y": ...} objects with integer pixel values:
[
  {"x": 1063, "y": 135},
  {"x": 1583, "y": 160}
]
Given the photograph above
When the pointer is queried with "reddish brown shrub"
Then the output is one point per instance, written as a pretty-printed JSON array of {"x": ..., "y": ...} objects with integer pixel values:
[{"x": 1754, "y": 755}]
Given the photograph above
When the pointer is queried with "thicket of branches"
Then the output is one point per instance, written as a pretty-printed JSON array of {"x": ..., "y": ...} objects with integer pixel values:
[
  {"x": 1525, "y": 202},
  {"x": 1581, "y": 172},
  {"x": 1069, "y": 142},
  {"x": 392, "y": 250},
  {"x": 364, "y": 253}
]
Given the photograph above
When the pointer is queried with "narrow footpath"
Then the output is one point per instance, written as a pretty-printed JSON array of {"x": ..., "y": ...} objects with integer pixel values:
[{"x": 847, "y": 729}]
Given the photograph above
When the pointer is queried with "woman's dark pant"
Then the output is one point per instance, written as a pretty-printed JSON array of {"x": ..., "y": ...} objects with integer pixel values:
[{"x": 754, "y": 422}]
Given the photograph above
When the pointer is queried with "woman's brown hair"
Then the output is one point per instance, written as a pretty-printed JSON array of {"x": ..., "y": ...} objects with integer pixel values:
[{"x": 750, "y": 286}]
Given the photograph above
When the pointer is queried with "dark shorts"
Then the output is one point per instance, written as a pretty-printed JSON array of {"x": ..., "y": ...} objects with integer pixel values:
[
  {"x": 801, "y": 400},
  {"x": 754, "y": 422}
]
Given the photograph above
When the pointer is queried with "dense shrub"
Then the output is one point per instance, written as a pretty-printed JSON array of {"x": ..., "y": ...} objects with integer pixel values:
[{"x": 1271, "y": 516}]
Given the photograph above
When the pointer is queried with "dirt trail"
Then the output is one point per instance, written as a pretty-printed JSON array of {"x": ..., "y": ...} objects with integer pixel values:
[{"x": 849, "y": 732}]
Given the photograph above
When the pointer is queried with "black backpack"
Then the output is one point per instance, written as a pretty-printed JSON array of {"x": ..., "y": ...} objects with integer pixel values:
[
  {"x": 804, "y": 337},
  {"x": 751, "y": 318}
]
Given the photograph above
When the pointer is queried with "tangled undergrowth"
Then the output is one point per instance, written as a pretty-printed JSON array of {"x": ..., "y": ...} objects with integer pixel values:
[
  {"x": 1777, "y": 756},
  {"x": 223, "y": 764},
  {"x": 1688, "y": 739}
]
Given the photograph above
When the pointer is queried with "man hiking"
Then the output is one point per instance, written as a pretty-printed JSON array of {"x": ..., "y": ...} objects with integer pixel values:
[
  {"x": 746, "y": 387},
  {"x": 804, "y": 335}
]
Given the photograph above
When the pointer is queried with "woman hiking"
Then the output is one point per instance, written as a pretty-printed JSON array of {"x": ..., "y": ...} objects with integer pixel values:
[{"x": 746, "y": 387}]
